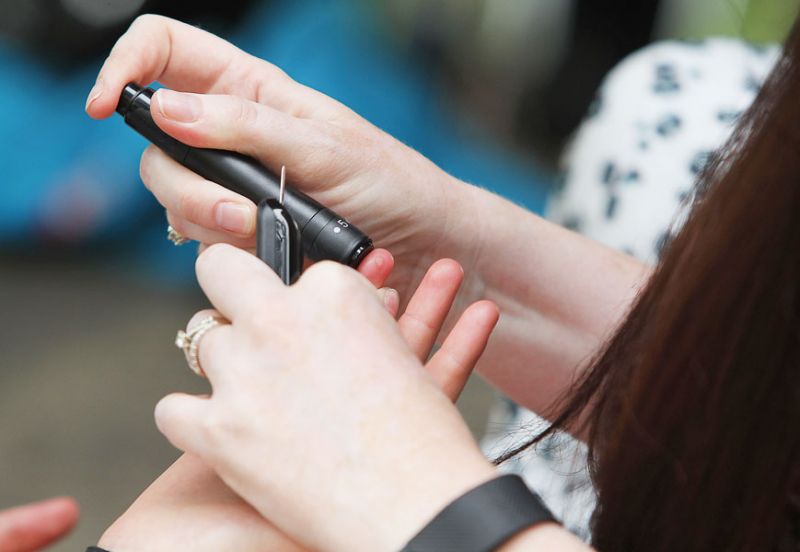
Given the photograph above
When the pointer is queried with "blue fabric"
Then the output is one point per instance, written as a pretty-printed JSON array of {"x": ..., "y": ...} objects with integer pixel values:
[{"x": 68, "y": 179}]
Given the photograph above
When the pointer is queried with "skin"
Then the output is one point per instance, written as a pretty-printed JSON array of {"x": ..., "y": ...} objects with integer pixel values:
[
  {"x": 399, "y": 450},
  {"x": 33, "y": 526},
  {"x": 560, "y": 294},
  {"x": 190, "y": 507}
]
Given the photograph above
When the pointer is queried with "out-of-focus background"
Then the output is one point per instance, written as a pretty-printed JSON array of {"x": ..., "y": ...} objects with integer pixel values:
[{"x": 92, "y": 293}]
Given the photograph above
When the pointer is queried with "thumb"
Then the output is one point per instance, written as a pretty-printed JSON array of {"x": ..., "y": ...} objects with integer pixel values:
[
  {"x": 234, "y": 123},
  {"x": 181, "y": 417}
]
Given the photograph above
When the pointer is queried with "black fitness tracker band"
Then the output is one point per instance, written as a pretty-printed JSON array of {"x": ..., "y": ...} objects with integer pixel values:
[{"x": 482, "y": 519}]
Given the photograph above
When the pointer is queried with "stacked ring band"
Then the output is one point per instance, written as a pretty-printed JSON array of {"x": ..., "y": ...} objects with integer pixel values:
[
  {"x": 189, "y": 342},
  {"x": 176, "y": 237}
]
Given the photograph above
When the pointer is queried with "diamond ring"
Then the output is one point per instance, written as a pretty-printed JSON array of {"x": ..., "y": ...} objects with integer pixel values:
[
  {"x": 176, "y": 237},
  {"x": 189, "y": 342}
]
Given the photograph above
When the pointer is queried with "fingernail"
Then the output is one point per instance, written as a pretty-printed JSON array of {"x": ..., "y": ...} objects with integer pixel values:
[
  {"x": 182, "y": 108},
  {"x": 235, "y": 218},
  {"x": 391, "y": 299},
  {"x": 94, "y": 93}
]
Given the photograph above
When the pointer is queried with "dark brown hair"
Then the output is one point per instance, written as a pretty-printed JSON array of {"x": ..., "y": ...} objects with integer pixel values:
[{"x": 692, "y": 409}]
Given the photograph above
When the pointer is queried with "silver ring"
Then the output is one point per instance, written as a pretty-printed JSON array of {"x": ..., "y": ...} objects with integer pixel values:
[
  {"x": 176, "y": 237},
  {"x": 189, "y": 342}
]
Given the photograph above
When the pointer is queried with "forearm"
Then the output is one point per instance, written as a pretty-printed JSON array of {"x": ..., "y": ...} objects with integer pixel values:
[{"x": 560, "y": 295}]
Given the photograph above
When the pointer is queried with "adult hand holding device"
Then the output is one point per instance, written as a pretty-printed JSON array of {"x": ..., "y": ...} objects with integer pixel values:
[
  {"x": 560, "y": 293},
  {"x": 245, "y": 104},
  {"x": 326, "y": 379}
]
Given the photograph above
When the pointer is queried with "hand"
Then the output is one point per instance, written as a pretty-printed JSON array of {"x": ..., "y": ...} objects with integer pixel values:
[
  {"x": 321, "y": 417},
  {"x": 245, "y": 104},
  {"x": 34, "y": 526},
  {"x": 190, "y": 507}
]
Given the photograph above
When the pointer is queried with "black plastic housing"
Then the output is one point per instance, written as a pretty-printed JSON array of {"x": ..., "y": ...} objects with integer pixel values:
[
  {"x": 278, "y": 241},
  {"x": 325, "y": 235}
]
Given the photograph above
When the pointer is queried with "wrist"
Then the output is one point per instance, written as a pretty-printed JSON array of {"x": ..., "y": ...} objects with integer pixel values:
[
  {"x": 430, "y": 493},
  {"x": 464, "y": 235},
  {"x": 448, "y": 221},
  {"x": 434, "y": 218},
  {"x": 545, "y": 536},
  {"x": 483, "y": 519},
  {"x": 441, "y": 204},
  {"x": 462, "y": 222}
]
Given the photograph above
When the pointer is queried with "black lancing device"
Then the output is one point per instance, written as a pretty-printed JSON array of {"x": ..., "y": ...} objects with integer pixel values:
[{"x": 324, "y": 234}]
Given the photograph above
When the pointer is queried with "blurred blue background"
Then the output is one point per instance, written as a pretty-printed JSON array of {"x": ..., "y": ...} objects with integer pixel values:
[
  {"x": 93, "y": 293},
  {"x": 71, "y": 181}
]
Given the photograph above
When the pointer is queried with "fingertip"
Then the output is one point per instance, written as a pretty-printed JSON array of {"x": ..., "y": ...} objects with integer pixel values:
[
  {"x": 72, "y": 510},
  {"x": 446, "y": 271},
  {"x": 377, "y": 266},
  {"x": 95, "y": 106},
  {"x": 65, "y": 508},
  {"x": 229, "y": 256},
  {"x": 480, "y": 319},
  {"x": 211, "y": 255},
  {"x": 157, "y": 109},
  {"x": 67, "y": 502},
  {"x": 206, "y": 121},
  {"x": 487, "y": 310},
  {"x": 391, "y": 300},
  {"x": 236, "y": 217},
  {"x": 176, "y": 130},
  {"x": 102, "y": 100}
]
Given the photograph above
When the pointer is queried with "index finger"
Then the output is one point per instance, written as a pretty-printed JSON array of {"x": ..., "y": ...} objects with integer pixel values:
[{"x": 182, "y": 57}]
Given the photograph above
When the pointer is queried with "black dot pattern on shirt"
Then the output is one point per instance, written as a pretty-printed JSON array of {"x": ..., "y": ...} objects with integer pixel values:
[
  {"x": 699, "y": 162},
  {"x": 666, "y": 79},
  {"x": 672, "y": 78},
  {"x": 669, "y": 125}
]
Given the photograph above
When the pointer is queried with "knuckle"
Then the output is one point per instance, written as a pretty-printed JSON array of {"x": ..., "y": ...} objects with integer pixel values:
[
  {"x": 338, "y": 281},
  {"x": 325, "y": 271},
  {"x": 213, "y": 428},
  {"x": 245, "y": 113},
  {"x": 324, "y": 145},
  {"x": 271, "y": 71},
  {"x": 199, "y": 317},
  {"x": 148, "y": 20},
  {"x": 219, "y": 426},
  {"x": 178, "y": 224},
  {"x": 195, "y": 209},
  {"x": 260, "y": 325}
]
